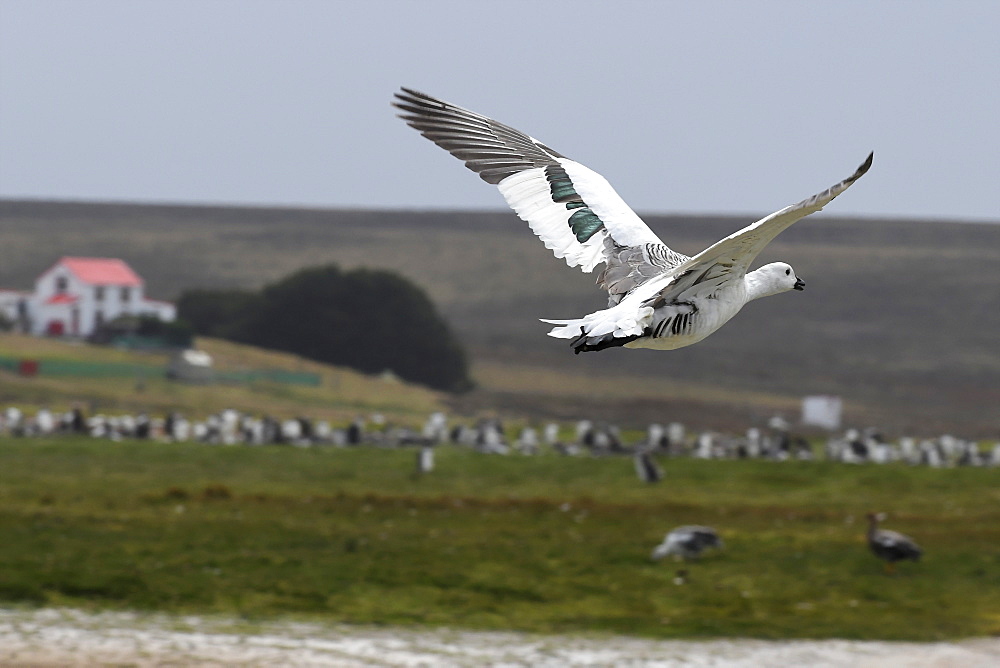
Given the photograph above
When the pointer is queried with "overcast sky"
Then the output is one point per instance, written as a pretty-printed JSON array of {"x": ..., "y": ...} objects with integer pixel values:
[{"x": 705, "y": 107}]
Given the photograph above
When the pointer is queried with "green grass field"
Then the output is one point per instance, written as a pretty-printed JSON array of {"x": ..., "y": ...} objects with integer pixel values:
[{"x": 538, "y": 544}]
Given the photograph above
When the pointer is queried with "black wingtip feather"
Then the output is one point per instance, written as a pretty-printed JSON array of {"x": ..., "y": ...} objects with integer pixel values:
[
  {"x": 489, "y": 148},
  {"x": 865, "y": 166}
]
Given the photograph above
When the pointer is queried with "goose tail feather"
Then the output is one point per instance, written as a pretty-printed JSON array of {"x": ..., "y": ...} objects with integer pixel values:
[{"x": 603, "y": 329}]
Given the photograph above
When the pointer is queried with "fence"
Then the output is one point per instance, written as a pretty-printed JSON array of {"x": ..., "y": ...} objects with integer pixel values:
[{"x": 270, "y": 376}]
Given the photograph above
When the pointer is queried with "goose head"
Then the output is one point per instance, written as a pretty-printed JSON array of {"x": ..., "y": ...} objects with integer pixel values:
[{"x": 773, "y": 279}]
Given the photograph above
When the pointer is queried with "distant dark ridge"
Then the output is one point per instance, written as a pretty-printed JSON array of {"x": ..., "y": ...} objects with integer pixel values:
[
  {"x": 12, "y": 206},
  {"x": 863, "y": 231},
  {"x": 898, "y": 316}
]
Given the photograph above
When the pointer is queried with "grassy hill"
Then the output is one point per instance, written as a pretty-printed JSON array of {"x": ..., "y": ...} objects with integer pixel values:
[
  {"x": 899, "y": 317},
  {"x": 341, "y": 395}
]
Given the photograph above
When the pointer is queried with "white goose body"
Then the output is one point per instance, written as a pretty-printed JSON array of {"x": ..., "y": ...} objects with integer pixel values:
[
  {"x": 657, "y": 298},
  {"x": 688, "y": 542},
  {"x": 668, "y": 327},
  {"x": 709, "y": 314}
]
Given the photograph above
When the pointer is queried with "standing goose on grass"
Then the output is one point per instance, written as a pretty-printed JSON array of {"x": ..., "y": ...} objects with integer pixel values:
[
  {"x": 657, "y": 297},
  {"x": 890, "y": 546},
  {"x": 687, "y": 542},
  {"x": 646, "y": 467}
]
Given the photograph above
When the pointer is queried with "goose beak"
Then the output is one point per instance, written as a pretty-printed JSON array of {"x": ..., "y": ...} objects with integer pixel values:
[{"x": 799, "y": 284}]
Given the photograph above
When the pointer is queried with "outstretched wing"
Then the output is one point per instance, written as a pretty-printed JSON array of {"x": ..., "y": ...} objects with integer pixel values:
[
  {"x": 729, "y": 259},
  {"x": 571, "y": 208}
]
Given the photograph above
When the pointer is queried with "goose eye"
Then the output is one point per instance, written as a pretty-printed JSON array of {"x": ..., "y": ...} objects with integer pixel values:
[{"x": 788, "y": 272}]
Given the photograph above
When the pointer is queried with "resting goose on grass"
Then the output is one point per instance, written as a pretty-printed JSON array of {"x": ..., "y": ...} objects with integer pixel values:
[
  {"x": 657, "y": 297},
  {"x": 687, "y": 542}
]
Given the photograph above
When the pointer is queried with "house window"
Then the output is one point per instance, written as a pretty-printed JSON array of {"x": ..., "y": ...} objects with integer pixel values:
[
  {"x": 61, "y": 284},
  {"x": 99, "y": 293},
  {"x": 126, "y": 293}
]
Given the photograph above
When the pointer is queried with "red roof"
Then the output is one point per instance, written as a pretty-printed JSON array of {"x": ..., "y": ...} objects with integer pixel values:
[
  {"x": 101, "y": 270},
  {"x": 61, "y": 298}
]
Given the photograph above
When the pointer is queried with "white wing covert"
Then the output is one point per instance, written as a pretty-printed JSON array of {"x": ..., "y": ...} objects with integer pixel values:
[{"x": 571, "y": 208}]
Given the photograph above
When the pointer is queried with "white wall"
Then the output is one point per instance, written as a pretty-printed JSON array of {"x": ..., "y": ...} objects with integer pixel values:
[
  {"x": 9, "y": 299},
  {"x": 45, "y": 289}
]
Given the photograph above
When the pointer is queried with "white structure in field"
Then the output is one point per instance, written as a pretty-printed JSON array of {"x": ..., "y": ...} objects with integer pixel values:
[
  {"x": 78, "y": 294},
  {"x": 822, "y": 411}
]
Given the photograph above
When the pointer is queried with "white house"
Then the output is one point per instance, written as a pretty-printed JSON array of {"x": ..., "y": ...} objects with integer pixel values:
[{"x": 77, "y": 294}]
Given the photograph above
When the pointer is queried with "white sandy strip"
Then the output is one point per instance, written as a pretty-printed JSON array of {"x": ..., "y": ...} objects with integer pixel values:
[{"x": 72, "y": 638}]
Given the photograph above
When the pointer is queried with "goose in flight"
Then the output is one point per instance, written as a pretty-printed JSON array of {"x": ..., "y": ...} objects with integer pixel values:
[{"x": 657, "y": 298}]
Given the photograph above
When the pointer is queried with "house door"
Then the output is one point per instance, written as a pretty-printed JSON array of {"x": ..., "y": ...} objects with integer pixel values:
[
  {"x": 55, "y": 328},
  {"x": 74, "y": 327}
]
